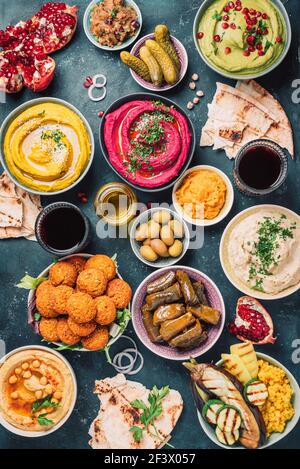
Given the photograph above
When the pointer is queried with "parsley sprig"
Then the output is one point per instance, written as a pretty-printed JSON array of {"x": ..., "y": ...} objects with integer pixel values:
[
  {"x": 43, "y": 403},
  {"x": 150, "y": 412}
]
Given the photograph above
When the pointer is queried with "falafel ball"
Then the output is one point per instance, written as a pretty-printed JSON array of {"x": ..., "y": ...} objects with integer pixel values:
[
  {"x": 106, "y": 310},
  {"x": 65, "y": 334},
  {"x": 63, "y": 273},
  {"x": 97, "y": 340},
  {"x": 92, "y": 281},
  {"x": 45, "y": 301},
  {"x": 78, "y": 262},
  {"x": 61, "y": 295},
  {"x": 104, "y": 263},
  {"x": 43, "y": 287},
  {"x": 120, "y": 292},
  {"x": 48, "y": 329},
  {"x": 81, "y": 307},
  {"x": 81, "y": 329}
]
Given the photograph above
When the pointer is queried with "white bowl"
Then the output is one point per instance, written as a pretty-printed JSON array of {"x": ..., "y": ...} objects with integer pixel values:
[
  {"x": 228, "y": 202},
  {"x": 275, "y": 437},
  {"x": 235, "y": 76},
  {"x": 45, "y": 273},
  {"x": 18, "y": 431},
  {"x": 224, "y": 258},
  {"x": 162, "y": 261},
  {"x": 14, "y": 114},
  {"x": 125, "y": 44}
]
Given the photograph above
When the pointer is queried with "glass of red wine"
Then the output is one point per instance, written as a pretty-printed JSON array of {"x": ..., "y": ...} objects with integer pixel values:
[
  {"x": 261, "y": 167},
  {"x": 62, "y": 229}
]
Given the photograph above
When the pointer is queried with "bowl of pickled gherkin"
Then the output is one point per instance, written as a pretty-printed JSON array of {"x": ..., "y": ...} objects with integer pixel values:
[{"x": 178, "y": 312}]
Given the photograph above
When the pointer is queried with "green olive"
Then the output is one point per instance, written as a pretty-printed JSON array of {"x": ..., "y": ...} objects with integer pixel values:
[
  {"x": 141, "y": 232},
  {"x": 166, "y": 235},
  {"x": 147, "y": 253},
  {"x": 159, "y": 247},
  {"x": 177, "y": 228},
  {"x": 176, "y": 249},
  {"x": 162, "y": 217}
]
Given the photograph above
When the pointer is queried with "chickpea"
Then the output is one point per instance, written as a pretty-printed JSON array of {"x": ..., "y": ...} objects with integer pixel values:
[
  {"x": 39, "y": 394},
  {"x": 14, "y": 395},
  {"x": 176, "y": 249},
  {"x": 54, "y": 401},
  {"x": 147, "y": 253},
  {"x": 57, "y": 395},
  {"x": 13, "y": 379},
  {"x": 166, "y": 235},
  {"x": 18, "y": 371},
  {"x": 162, "y": 217},
  {"x": 43, "y": 381},
  {"x": 25, "y": 366},
  {"x": 27, "y": 374},
  {"x": 49, "y": 389},
  {"x": 177, "y": 228},
  {"x": 36, "y": 363}
]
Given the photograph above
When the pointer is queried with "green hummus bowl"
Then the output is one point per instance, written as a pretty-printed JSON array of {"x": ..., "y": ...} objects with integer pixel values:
[{"x": 243, "y": 39}]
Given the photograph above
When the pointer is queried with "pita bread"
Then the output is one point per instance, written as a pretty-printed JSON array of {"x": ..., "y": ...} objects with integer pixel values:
[
  {"x": 18, "y": 210},
  {"x": 251, "y": 113},
  {"x": 111, "y": 428}
]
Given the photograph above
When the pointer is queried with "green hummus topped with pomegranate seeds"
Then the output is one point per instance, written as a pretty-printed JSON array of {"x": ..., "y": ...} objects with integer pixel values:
[{"x": 242, "y": 36}]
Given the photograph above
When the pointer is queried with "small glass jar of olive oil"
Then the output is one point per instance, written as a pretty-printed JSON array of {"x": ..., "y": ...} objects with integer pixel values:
[{"x": 116, "y": 203}]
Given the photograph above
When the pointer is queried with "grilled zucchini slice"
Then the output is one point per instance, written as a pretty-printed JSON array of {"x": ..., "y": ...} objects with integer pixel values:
[
  {"x": 228, "y": 439},
  {"x": 228, "y": 419},
  {"x": 211, "y": 409},
  {"x": 256, "y": 392}
]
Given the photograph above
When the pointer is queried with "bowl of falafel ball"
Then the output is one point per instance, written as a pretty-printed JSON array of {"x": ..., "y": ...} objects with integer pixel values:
[{"x": 79, "y": 303}]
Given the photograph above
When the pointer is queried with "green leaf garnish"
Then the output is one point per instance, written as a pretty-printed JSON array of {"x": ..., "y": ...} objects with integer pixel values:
[
  {"x": 123, "y": 316},
  {"x": 30, "y": 283},
  {"x": 217, "y": 16},
  {"x": 43, "y": 404},
  {"x": 37, "y": 316},
  {"x": 43, "y": 420}
]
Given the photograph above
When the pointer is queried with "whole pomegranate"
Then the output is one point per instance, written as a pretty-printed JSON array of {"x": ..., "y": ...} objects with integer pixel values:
[
  {"x": 24, "y": 60},
  {"x": 252, "y": 323}
]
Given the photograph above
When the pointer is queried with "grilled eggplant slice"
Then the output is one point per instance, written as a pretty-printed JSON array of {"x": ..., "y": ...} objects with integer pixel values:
[
  {"x": 171, "y": 295},
  {"x": 200, "y": 292},
  {"x": 228, "y": 439},
  {"x": 161, "y": 283},
  {"x": 170, "y": 329},
  {"x": 187, "y": 289},
  {"x": 256, "y": 392},
  {"x": 217, "y": 382},
  {"x": 228, "y": 419},
  {"x": 168, "y": 312},
  {"x": 189, "y": 338},
  {"x": 206, "y": 314},
  {"x": 152, "y": 331},
  {"x": 211, "y": 409}
]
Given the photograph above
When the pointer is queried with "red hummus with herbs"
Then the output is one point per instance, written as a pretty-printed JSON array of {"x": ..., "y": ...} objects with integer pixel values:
[{"x": 147, "y": 142}]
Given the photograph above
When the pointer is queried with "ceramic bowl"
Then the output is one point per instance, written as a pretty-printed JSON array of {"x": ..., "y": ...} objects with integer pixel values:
[
  {"x": 150, "y": 97},
  {"x": 31, "y": 308},
  {"x": 182, "y": 54},
  {"x": 228, "y": 202},
  {"x": 215, "y": 300},
  {"x": 14, "y": 114},
  {"x": 18, "y": 431},
  {"x": 135, "y": 245},
  {"x": 91, "y": 37},
  {"x": 225, "y": 259},
  {"x": 275, "y": 437},
  {"x": 205, "y": 5}
]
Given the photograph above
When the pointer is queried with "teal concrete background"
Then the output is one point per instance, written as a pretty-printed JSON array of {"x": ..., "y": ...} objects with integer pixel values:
[{"x": 74, "y": 62}]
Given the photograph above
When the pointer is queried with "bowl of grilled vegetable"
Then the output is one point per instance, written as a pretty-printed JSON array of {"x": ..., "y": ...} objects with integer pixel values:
[
  {"x": 246, "y": 400},
  {"x": 178, "y": 312},
  {"x": 158, "y": 61}
]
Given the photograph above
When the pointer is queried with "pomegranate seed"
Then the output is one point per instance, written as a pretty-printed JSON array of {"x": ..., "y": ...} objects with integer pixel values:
[
  {"x": 246, "y": 53},
  {"x": 217, "y": 38},
  {"x": 265, "y": 16},
  {"x": 259, "y": 46},
  {"x": 279, "y": 39},
  {"x": 233, "y": 26},
  {"x": 251, "y": 48},
  {"x": 100, "y": 114},
  {"x": 238, "y": 7},
  {"x": 258, "y": 14},
  {"x": 231, "y": 5},
  {"x": 226, "y": 9},
  {"x": 249, "y": 27},
  {"x": 250, "y": 39},
  {"x": 265, "y": 31},
  {"x": 227, "y": 50},
  {"x": 225, "y": 25},
  {"x": 245, "y": 11},
  {"x": 252, "y": 11},
  {"x": 226, "y": 17},
  {"x": 200, "y": 35},
  {"x": 259, "y": 31}
]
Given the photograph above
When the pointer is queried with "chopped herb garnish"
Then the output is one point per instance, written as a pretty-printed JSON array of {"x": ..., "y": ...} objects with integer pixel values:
[
  {"x": 43, "y": 420},
  {"x": 217, "y": 16},
  {"x": 43, "y": 404}
]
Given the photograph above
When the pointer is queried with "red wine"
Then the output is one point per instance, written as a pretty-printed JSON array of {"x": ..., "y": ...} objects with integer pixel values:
[
  {"x": 260, "y": 167},
  {"x": 63, "y": 228}
]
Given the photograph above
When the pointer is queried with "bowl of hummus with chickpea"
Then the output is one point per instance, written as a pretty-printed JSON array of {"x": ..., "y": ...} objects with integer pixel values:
[{"x": 38, "y": 391}]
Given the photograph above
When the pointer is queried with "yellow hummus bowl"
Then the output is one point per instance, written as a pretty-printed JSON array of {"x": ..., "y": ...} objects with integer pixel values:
[
  {"x": 27, "y": 373},
  {"x": 238, "y": 49},
  {"x": 46, "y": 146}
]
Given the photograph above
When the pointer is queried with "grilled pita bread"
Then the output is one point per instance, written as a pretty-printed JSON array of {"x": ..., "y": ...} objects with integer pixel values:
[
  {"x": 251, "y": 113},
  {"x": 111, "y": 428}
]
